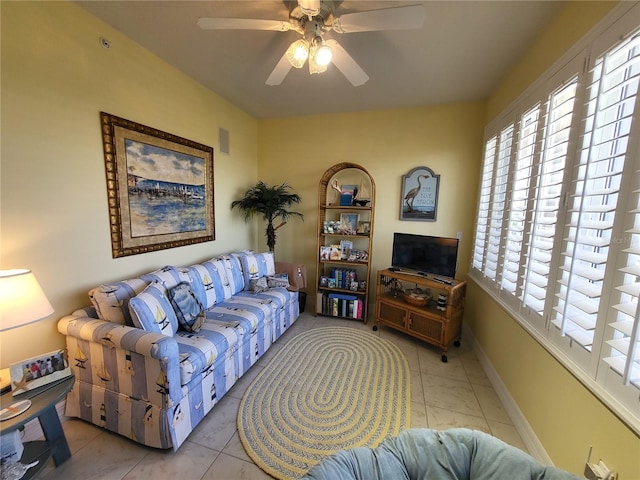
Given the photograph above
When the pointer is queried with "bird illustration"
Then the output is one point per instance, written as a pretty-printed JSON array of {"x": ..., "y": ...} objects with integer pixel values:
[{"x": 411, "y": 194}]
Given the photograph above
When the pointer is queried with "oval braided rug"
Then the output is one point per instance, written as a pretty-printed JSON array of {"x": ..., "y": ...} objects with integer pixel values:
[{"x": 327, "y": 389}]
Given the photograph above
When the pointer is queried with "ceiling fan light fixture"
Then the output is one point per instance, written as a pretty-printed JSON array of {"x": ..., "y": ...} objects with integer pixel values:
[
  {"x": 314, "y": 67},
  {"x": 323, "y": 55},
  {"x": 297, "y": 53}
]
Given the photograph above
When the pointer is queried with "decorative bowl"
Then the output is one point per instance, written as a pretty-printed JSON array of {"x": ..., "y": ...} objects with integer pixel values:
[{"x": 417, "y": 297}]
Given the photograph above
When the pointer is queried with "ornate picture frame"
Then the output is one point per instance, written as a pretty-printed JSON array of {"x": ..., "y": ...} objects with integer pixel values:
[
  {"x": 419, "y": 195},
  {"x": 159, "y": 187}
]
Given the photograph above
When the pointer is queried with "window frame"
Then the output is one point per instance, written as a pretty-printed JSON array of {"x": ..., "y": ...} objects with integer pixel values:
[{"x": 583, "y": 359}]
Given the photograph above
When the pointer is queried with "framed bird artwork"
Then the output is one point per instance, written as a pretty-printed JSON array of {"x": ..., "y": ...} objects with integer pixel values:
[{"x": 419, "y": 196}]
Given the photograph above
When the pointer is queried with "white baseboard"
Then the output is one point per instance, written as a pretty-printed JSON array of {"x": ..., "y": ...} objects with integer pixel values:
[{"x": 531, "y": 441}]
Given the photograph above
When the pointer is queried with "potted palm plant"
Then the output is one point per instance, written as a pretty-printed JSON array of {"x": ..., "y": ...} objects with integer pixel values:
[{"x": 271, "y": 202}]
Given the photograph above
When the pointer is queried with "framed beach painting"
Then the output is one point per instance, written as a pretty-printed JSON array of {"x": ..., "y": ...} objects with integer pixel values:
[{"x": 159, "y": 187}]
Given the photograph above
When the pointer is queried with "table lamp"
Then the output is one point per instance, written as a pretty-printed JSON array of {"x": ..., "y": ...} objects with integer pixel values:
[{"x": 22, "y": 302}]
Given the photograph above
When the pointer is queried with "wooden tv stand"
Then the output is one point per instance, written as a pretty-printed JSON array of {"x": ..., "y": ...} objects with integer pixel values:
[{"x": 438, "y": 327}]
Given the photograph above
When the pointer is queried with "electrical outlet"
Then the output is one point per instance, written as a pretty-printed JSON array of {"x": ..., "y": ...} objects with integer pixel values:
[{"x": 599, "y": 471}]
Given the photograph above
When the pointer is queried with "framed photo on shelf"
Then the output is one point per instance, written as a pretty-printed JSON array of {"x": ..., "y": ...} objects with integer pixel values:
[
  {"x": 38, "y": 371},
  {"x": 364, "y": 228},
  {"x": 325, "y": 253},
  {"x": 324, "y": 281},
  {"x": 349, "y": 223}
]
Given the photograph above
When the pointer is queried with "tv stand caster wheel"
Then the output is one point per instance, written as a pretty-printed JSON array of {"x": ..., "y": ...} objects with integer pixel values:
[
  {"x": 457, "y": 343},
  {"x": 444, "y": 358},
  {"x": 375, "y": 328}
]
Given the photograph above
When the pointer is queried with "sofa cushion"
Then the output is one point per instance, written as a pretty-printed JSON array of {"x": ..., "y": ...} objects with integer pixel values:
[
  {"x": 255, "y": 266},
  {"x": 152, "y": 311},
  {"x": 187, "y": 307},
  {"x": 233, "y": 269},
  {"x": 215, "y": 340},
  {"x": 111, "y": 300},
  {"x": 168, "y": 276},
  {"x": 209, "y": 282}
]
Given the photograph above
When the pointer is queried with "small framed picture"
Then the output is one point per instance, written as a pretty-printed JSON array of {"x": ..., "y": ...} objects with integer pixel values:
[
  {"x": 364, "y": 228},
  {"x": 38, "y": 371},
  {"x": 354, "y": 286},
  {"x": 331, "y": 282},
  {"x": 325, "y": 253},
  {"x": 349, "y": 223},
  {"x": 324, "y": 281}
]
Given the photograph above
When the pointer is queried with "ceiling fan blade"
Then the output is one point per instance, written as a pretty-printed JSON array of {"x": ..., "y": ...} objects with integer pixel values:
[
  {"x": 279, "y": 72},
  {"x": 347, "y": 65},
  {"x": 211, "y": 23},
  {"x": 396, "y": 18}
]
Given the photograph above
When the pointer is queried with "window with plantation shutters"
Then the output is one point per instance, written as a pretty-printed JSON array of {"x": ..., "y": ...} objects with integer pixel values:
[
  {"x": 618, "y": 73},
  {"x": 557, "y": 239},
  {"x": 482, "y": 222},
  {"x": 498, "y": 202},
  {"x": 521, "y": 198},
  {"x": 557, "y": 126}
]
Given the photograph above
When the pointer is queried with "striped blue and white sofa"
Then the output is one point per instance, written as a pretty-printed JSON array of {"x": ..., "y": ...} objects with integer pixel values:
[{"x": 138, "y": 374}]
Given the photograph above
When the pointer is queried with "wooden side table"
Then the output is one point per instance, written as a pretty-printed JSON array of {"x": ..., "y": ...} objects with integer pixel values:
[{"x": 43, "y": 407}]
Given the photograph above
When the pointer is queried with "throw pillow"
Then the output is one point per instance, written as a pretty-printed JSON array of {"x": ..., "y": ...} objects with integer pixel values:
[
  {"x": 152, "y": 311},
  {"x": 278, "y": 280},
  {"x": 187, "y": 307},
  {"x": 259, "y": 285}
]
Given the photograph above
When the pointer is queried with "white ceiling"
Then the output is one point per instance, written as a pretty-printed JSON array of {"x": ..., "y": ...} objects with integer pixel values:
[{"x": 460, "y": 54}]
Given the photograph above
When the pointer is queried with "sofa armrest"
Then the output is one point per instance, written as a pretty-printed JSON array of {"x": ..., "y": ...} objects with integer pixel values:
[
  {"x": 297, "y": 273},
  {"x": 157, "y": 354}
]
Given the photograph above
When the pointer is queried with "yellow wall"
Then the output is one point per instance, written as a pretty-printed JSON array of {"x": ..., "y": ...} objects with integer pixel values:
[
  {"x": 388, "y": 144},
  {"x": 565, "y": 416},
  {"x": 56, "y": 78}
]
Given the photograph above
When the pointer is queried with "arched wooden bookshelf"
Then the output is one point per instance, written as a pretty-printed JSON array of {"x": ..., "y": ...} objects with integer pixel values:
[{"x": 345, "y": 240}]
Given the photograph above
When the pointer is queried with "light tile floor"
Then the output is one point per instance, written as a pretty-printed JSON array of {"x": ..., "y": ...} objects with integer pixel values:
[{"x": 443, "y": 395}]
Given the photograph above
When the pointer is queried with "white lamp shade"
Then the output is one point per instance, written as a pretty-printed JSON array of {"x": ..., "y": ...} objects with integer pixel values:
[{"x": 22, "y": 300}]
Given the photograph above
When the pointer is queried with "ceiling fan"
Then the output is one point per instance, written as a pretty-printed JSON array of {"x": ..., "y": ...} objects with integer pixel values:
[{"x": 312, "y": 19}]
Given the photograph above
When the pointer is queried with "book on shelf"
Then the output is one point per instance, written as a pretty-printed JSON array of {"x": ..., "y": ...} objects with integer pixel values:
[{"x": 339, "y": 305}]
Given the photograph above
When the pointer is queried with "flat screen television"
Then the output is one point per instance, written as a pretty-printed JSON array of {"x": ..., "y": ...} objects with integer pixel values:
[{"x": 424, "y": 254}]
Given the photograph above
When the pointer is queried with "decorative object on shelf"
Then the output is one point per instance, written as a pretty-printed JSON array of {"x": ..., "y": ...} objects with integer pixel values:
[
  {"x": 364, "y": 228},
  {"x": 38, "y": 371},
  {"x": 349, "y": 223},
  {"x": 417, "y": 296},
  {"x": 16, "y": 470},
  {"x": 345, "y": 249},
  {"x": 442, "y": 302},
  {"x": 419, "y": 197},
  {"x": 154, "y": 181},
  {"x": 347, "y": 195},
  {"x": 271, "y": 202},
  {"x": 362, "y": 197}
]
